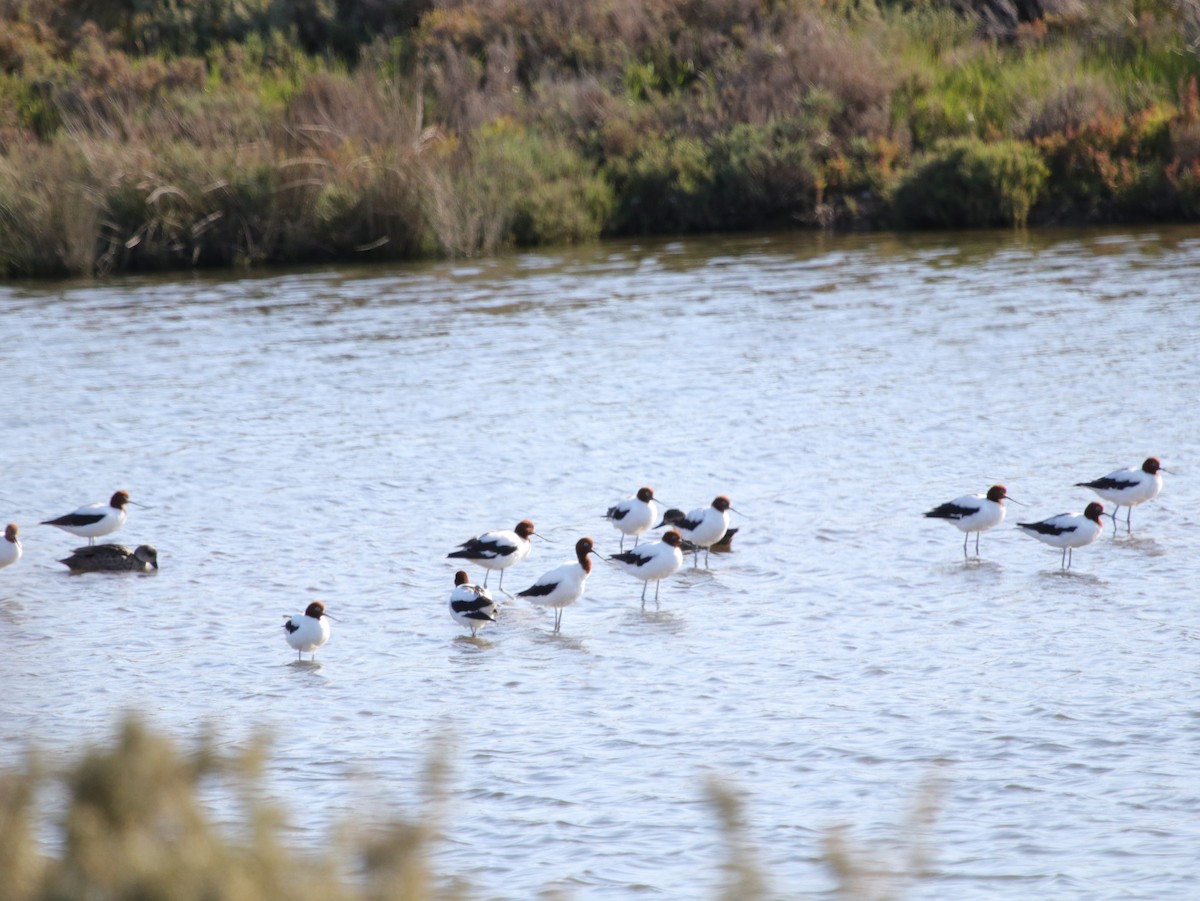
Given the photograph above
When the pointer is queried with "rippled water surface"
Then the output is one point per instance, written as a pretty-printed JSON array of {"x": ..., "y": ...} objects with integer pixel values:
[{"x": 333, "y": 434}]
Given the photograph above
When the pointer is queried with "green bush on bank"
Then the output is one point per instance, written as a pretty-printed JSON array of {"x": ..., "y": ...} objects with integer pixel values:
[
  {"x": 217, "y": 132},
  {"x": 970, "y": 183}
]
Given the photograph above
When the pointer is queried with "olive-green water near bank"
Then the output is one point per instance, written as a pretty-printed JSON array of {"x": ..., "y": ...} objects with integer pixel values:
[{"x": 332, "y": 434}]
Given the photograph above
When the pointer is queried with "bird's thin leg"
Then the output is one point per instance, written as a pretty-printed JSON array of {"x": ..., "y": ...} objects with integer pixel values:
[
  {"x": 486, "y": 573},
  {"x": 966, "y": 538},
  {"x": 1128, "y": 516},
  {"x": 656, "y": 587},
  {"x": 644, "y": 586},
  {"x": 622, "y": 542}
]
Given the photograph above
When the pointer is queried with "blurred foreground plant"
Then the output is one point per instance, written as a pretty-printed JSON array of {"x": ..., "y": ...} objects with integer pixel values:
[
  {"x": 860, "y": 874},
  {"x": 133, "y": 827}
]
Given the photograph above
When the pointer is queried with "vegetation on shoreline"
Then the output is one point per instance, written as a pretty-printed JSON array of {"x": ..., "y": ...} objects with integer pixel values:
[
  {"x": 135, "y": 824},
  {"x": 161, "y": 134}
]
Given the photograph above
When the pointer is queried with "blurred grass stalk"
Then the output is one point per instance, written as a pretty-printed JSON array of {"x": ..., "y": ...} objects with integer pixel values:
[{"x": 134, "y": 826}]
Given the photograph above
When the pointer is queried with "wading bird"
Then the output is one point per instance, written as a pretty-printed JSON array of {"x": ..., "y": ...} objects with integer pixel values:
[{"x": 1068, "y": 530}]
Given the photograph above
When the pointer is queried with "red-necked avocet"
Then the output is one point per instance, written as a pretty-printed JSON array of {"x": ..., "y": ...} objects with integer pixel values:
[
  {"x": 497, "y": 550},
  {"x": 653, "y": 562},
  {"x": 633, "y": 515},
  {"x": 1129, "y": 487},
  {"x": 112, "y": 558},
  {"x": 10, "y": 547},
  {"x": 94, "y": 520},
  {"x": 471, "y": 605},
  {"x": 1068, "y": 530},
  {"x": 307, "y": 631},
  {"x": 564, "y": 584},
  {"x": 973, "y": 513},
  {"x": 674, "y": 516},
  {"x": 704, "y": 526}
]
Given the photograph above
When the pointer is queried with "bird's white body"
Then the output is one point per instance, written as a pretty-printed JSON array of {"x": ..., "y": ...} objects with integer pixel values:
[
  {"x": 1067, "y": 530},
  {"x": 563, "y": 585},
  {"x": 1128, "y": 487},
  {"x": 652, "y": 562},
  {"x": 94, "y": 520},
  {"x": 10, "y": 546},
  {"x": 471, "y": 606},
  {"x": 973, "y": 513},
  {"x": 307, "y": 631},
  {"x": 633, "y": 515}
]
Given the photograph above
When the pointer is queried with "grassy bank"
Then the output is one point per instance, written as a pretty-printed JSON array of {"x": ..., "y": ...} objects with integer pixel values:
[
  {"x": 169, "y": 134},
  {"x": 135, "y": 824}
]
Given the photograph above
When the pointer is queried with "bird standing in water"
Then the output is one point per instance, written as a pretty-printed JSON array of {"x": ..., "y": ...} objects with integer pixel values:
[
  {"x": 653, "y": 562},
  {"x": 704, "y": 527},
  {"x": 1128, "y": 487},
  {"x": 1068, "y": 530},
  {"x": 564, "y": 584},
  {"x": 498, "y": 549},
  {"x": 94, "y": 520},
  {"x": 471, "y": 605},
  {"x": 633, "y": 516},
  {"x": 973, "y": 513},
  {"x": 307, "y": 631}
]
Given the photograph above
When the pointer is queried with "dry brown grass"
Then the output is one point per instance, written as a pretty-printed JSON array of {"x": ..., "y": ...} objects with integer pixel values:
[{"x": 134, "y": 821}]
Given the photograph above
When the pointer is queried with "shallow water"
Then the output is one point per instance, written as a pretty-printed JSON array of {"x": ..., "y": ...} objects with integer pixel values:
[{"x": 333, "y": 434}]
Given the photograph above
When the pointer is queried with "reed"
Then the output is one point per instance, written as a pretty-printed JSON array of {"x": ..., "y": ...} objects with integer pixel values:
[{"x": 134, "y": 821}]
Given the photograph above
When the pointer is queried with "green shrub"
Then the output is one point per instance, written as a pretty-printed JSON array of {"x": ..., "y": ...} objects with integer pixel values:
[
  {"x": 50, "y": 212},
  {"x": 665, "y": 186},
  {"x": 972, "y": 183},
  {"x": 764, "y": 175},
  {"x": 1111, "y": 168},
  {"x": 508, "y": 186}
]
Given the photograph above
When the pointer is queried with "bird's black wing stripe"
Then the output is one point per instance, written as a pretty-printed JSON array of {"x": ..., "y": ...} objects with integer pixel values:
[
  {"x": 1108, "y": 484},
  {"x": 1045, "y": 528},
  {"x": 632, "y": 557},
  {"x": 470, "y": 606},
  {"x": 537, "y": 591},
  {"x": 75, "y": 519},
  {"x": 483, "y": 550},
  {"x": 951, "y": 511}
]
